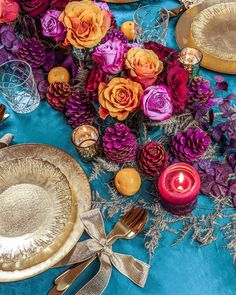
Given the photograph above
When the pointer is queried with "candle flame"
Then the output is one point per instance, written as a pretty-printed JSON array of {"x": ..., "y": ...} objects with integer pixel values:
[{"x": 181, "y": 177}]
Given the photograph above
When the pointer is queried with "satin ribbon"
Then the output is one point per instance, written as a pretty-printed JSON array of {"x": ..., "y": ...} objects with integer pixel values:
[{"x": 136, "y": 270}]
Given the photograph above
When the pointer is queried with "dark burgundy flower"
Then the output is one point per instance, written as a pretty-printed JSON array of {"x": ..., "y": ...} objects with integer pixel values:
[
  {"x": 41, "y": 82},
  {"x": 34, "y": 7},
  {"x": 162, "y": 51},
  {"x": 59, "y": 4},
  {"x": 221, "y": 84},
  {"x": 215, "y": 178},
  {"x": 95, "y": 77},
  {"x": 177, "y": 79}
]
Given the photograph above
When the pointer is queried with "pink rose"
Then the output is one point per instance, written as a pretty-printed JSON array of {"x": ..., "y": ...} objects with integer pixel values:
[
  {"x": 110, "y": 56},
  {"x": 102, "y": 5},
  {"x": 156, "y": 103},
  {"x": 9, "y": 10}
]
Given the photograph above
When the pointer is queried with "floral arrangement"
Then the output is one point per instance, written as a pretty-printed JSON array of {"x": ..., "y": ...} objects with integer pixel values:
[{"x": 129, "y": 90}]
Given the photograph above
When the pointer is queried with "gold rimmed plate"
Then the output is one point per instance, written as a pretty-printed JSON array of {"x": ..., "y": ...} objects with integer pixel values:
[
  {"x": 43, "y": 190},
  {"x": 210, "y": 27}
]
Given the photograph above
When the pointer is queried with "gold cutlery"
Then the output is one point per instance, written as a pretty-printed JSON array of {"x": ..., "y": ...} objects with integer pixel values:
[
  {"x": 3, "y": 115},
  {"x": 128, "y": 227}
]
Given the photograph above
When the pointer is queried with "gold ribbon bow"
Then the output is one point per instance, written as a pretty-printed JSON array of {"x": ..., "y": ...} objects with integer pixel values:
[{"x": 136, "y": 270}]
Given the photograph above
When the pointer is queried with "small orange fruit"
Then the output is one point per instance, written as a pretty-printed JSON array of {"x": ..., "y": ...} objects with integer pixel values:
[
  {"x": 128, "y": 181},
  {"x": 128, "y": 29},
  {"x": 58, "y": 74}
]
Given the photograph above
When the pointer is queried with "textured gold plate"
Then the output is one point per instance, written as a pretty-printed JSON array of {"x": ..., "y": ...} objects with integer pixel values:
[
  {"x": 211, "y": 28},
  {"x": 43, "y": 190}
]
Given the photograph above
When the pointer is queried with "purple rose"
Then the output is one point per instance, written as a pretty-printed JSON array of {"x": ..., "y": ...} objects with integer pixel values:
[
  {"x": 102, "y": 5},
  {"x": 51, "y": 26},
  {"x": 110, "y": 56},
  {"x": 156, "y": 103}
]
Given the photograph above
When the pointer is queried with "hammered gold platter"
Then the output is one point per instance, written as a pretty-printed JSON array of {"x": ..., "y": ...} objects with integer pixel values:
[
  {"x": 43, "y": 190},
  {"x": 211, "y": 28}
]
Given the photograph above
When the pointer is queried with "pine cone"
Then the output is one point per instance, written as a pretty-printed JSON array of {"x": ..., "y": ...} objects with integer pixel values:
[
  {"x": 58, "y": 95},
  {"x": 200, "y": 93},
  {"x": 79, "y": 110},
  {"x": 119, "y": 144},
  {"x": 33, "y": 52},
  {"x": 189, "y": 146},
  {"x": 152, "y": 158}
]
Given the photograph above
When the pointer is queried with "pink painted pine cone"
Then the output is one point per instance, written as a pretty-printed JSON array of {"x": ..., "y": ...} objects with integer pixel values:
[
  {"x": 119, "y": 144},
  {"x": 80, "y": 110},
  {"x": 190, "y": 145},
  {"x": 33, "y": 52}
]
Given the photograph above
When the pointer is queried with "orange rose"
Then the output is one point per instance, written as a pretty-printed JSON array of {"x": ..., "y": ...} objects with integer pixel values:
[
  {"x": 9, "y": 10},
  {"x": 118, "y": 98},
  {"x": 143, "y": 65},
  {"x": 86, "y": 23}
]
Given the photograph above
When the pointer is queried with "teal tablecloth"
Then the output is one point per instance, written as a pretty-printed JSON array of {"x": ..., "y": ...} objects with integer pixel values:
[{"x": 180, "y": 270}]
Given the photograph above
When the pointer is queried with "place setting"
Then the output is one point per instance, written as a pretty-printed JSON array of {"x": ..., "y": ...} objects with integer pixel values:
[{"x": 125, "y": 132}]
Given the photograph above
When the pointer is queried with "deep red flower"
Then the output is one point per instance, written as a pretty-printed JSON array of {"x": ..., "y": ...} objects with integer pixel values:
[
  {"x": 34, "y": 7},
  {"x": 162, "y": 51},
  {"x": 177, "y": 79},
  {"x": 95, "y": 77},
  {"x": 59, "y": 4}
]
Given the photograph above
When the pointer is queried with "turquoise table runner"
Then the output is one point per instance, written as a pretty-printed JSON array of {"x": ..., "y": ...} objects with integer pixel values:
[{"x": 181, "y": 270}]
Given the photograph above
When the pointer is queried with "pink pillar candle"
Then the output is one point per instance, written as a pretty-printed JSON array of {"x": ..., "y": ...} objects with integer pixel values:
[{"x": 179, "y": 185}]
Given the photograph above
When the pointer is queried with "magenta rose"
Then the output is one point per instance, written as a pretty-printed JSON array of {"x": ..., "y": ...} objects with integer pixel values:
[
  {"x": 156, "y": 103},
  {"x": 34, "y": 7},
  {"x": 110, "y": 56},
  {"x": 51, "y": 26}
]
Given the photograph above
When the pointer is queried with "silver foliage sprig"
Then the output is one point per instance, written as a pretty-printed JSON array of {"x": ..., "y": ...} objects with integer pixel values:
[
  {"x": 229, "y": 231},
  {"x": 175, "y": 123},
  {"x": 101, "y": 166}
]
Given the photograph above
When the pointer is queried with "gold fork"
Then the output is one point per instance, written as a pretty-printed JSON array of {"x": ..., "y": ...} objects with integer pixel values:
[{"x": 127, "y": 227}]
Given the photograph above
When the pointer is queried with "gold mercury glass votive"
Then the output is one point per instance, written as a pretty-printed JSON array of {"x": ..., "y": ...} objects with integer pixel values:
[
  {"x": 86, "y": 141},
  {"x": 190, "y": 58}
]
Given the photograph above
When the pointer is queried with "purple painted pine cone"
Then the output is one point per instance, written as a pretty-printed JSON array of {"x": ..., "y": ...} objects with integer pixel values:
[
  {"x": 190, "y": 145},
  {"x": 119, "y": 144},
  {"x": 33, "y": 52},
  {"x": 80, "y": 110},
  {"x": 200, "y": 93}
]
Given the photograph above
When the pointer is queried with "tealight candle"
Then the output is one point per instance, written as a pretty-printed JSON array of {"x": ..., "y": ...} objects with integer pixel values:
[
  {"x": 86, "y": 140},
  {"x": 190, "y": 58},
  {"x": 179, "y": 185}
]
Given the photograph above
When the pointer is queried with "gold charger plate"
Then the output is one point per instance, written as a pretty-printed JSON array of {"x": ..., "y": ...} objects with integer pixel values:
[
  {"x": 43, "y": 190},
  {"x": 210, "y": 29}
]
